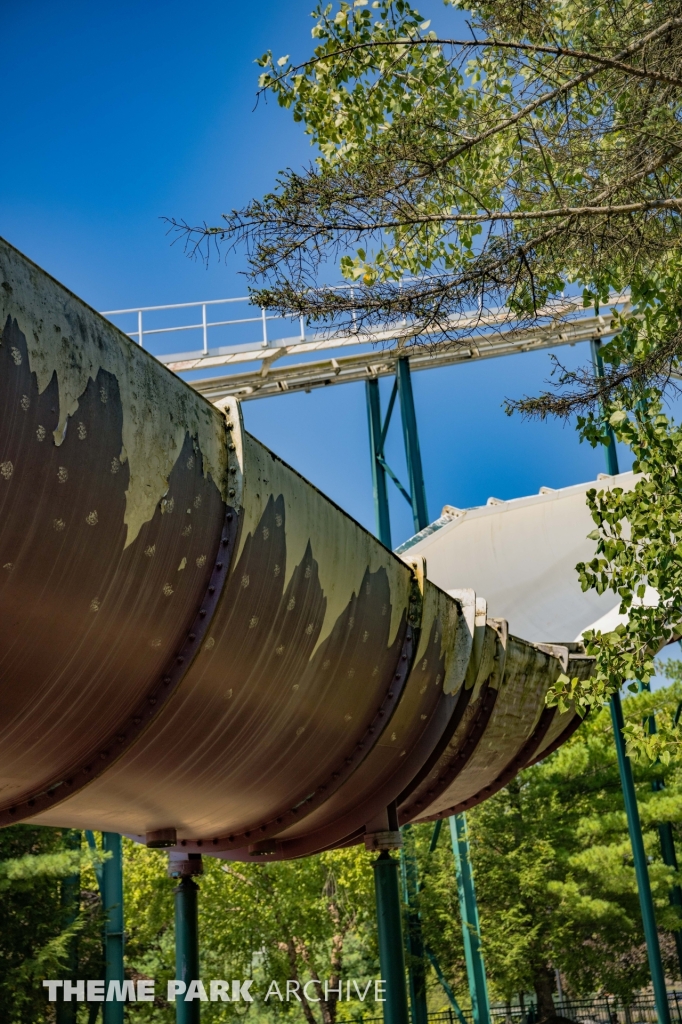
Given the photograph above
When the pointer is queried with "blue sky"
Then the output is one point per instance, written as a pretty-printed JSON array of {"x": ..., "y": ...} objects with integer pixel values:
[{"x": 116, "y": 114}]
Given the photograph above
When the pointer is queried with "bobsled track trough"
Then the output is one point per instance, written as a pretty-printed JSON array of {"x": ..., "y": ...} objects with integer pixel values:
[{"x": 199, "y": 647}]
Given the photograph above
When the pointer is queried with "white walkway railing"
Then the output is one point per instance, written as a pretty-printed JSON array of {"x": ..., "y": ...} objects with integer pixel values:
[{"x": 265, "y": 344}]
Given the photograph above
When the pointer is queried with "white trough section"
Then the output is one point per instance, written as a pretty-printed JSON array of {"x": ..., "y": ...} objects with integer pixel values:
[{"x": 522, "y": 555}]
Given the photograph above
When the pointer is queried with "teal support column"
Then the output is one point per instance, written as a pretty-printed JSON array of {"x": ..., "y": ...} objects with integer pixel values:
[
  {"x": 641, "y": 871},
  {"x": 628, "y": 786},
  {"x": 471, "y": 930},
  {"x": 69, "y": 898},
  {"x": 667, "y": 841},
  {"x": 416, "y": 972},
  {"x": 112, "y": 901},
  {"x": 379, "y": 490},
  {"x": 420, "y": 513},
  {"x": 391, "y": 954},
  {"x": 665, "y": 834},
  {"x": 187, "y": 947},
  {"x": 611, "y": 453}
]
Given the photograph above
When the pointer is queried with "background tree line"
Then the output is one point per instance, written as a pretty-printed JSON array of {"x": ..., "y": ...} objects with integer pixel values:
[{"x": 553, "y": 873}]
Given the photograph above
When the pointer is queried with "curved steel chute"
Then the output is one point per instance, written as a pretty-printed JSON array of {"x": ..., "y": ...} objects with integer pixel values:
[{"x": 196, "y": 639}]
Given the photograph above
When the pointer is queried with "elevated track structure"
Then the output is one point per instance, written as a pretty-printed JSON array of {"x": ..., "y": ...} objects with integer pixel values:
[{"x": 202, "y": 651}]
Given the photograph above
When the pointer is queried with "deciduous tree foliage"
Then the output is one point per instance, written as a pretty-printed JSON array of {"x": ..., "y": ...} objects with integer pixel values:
[
  {"x": 554, "y": 875},
  {"x": 533, "y": 153},
  {"x": 34, "y": 941},
  {"x": 309, "y": 920}
]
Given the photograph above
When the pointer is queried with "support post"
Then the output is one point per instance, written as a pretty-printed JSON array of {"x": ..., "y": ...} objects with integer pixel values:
[
  {"x": 391, "y": 954},
  {"x": 628, "y": 786},
  {"x": 641, "y": 871},
  {"x": 184, "y": 866},
  {"x": 471, "y": 930},
  {"x": 420, "y": 513},
  {"x": 665, "y": 835},
  {"x": 416, "y": 972},
  {"x": 69, "y": 898},
  {"x": 112, "y": 901},
  {"x": 381, "y": 512},
  {"x": 611, "y": 453}
]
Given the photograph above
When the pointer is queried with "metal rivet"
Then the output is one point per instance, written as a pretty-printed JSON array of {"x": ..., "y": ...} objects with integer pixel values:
[
  {"x": 136, "y": 721},
  {"x": 121, "y": 738},
  {"x": 12, "y": 810},
  {"x": 152, "y": 700},
  {"x": 179, "y": 659},
  {"x": 211, "y": 590},
  {"x": 390, "y": 694},
  {"x": 215, "y": 842},
  {"x": 233, "y": 469},
  {"x": 200, "y": 842},
  {"x": 225, "y": 542},
  {"x": 104, "y": 755},
  {"x": 247, "y": 834},
  {"x": 229, "y": 517},
  {"x": 31, "y": 803},
  {"x": 231, "y": 492},
  {"x": 219, "y": 566},
  {"x": 192, "y": 636},
  {"x": 167, "y": 680},
  {"x": 183, "y": 842},
  {"x": 202, "y": 613}
]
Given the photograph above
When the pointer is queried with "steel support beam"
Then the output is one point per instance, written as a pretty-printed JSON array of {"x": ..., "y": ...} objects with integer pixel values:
[
  {"x": 112, "y": 901},
  {"x": 70, "y": 898},
  {"x": 416, "y": 967},
  {"x": 187, "y": 947},
  {"x": 611, "y": 453},
  {"x": 471, "y": 931},
  {"x": 381, "y": 511},
  {"x": 390, "y": 931},
  {"x": 646, "y": 902},
  {"x": 641, "y": 870},
  {"x": 665, "y": 835},
  {"x": 415, "y": 473}
]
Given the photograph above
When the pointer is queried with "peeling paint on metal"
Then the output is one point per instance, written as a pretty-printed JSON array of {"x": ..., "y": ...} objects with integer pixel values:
[
  {"x": 68, "y": 339},
  {"x": 344, "y": 552}
]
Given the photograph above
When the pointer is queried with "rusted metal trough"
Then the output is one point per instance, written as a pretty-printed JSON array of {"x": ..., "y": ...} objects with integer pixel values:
[{"x": 197, "y": 645}]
